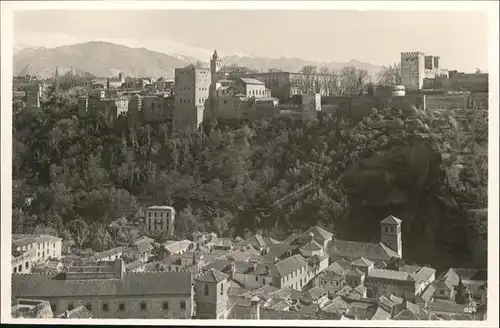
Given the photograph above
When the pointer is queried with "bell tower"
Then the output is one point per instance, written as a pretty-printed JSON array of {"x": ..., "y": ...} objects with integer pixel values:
[
  {"x": 390, "y": 234},
  {"x": 215, "y": 67},
  {"x": 211, "y": 295}
]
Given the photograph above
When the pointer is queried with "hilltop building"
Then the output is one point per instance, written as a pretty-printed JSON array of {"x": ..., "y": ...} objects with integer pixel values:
[{"x": 192, "y": 91}]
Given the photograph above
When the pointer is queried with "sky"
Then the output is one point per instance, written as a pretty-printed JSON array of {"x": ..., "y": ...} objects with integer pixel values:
[{"x": 460, "y": 38}]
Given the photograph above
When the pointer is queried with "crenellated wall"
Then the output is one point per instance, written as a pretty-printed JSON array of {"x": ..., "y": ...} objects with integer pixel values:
[{"x": 412, "y": 69}]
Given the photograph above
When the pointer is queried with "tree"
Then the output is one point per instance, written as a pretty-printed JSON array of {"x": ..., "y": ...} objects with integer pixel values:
[
  {"x": 308, "y": 69},
  {"x": 389, "y": 75},
  {"x": 352, "y": 80},
  {"x": 79, "y": 230}
]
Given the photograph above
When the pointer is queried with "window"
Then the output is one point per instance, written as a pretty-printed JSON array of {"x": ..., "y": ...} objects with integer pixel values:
[
  {"x": 89, "y": 306},
  {"x": 256, "y": 278},
  {"x": 165, "y": 305},
  {"x": 105, "y": 307},
  {"x": 121, "y": 306},
  {"x": 222, "y": 288},
  {"x": 206, "y": 290},
  {"x": 27, "y": 264},
  {"x": 70, "y": 306},
  {"x": 15, "y": 269},
  {"x": 183, "y": 305},
  {"x": 149, "y": 214},
  {"x": 143, "y": 306},
  {"x": 20, "y": 268}
]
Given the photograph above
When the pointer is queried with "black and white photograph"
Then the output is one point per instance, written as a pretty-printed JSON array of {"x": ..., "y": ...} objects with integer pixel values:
[{"x": 280, "y": 161}]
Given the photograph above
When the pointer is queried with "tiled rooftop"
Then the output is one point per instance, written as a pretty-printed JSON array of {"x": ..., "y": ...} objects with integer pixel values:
[
  {"x": 212, "y": 275},
  {"x": 290, "y": 264},
  {"x": 247, "y": 80},
  {"x": 160, "y": 208},
  {"x": 362, "y": 262},
  {"x": 390, "y": 275},
  {"x": 312, "y": 246},
  {"x": 391, "y": 220},
  {"x": 108, "y": 253},
  {"x": 381, "y": 314},
  {"x": 33, "y": 286},
  {"x": 354, "y": 249},
  {"x": 24, "y": 240}
]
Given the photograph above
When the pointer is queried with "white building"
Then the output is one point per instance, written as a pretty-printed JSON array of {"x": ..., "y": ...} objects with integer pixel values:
[
  {"x": 160, "y": 219},
  {"x": 45, "y": 246}
]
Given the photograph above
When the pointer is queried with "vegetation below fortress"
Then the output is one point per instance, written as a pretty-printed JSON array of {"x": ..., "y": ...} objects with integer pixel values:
[{"x": 428, "y": 168}]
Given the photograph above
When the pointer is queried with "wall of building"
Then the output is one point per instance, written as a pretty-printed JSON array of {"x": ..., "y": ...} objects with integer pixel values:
[
  {"x": 277, "y": 82},
  {"x": 412, "y": 70},
  {"x": 378, "y": 287},
  {"x": 43, "y": 249},
  {"x": 109, "y": 108},
  {"x": 358, "y": 107},
  {"x": 468, "y": 82},
  {"x": 228, "y": 106},
  {"x": 251, "y": 280},
  {"x": 192, "y": 89},
  {"x": 296, "y": 279},
  {"x": 24, "y": 262},
  {"x": 255, "y": 90},
  {"x": 202, "y": 86},
  {"x": 132, "y": 306},
  {"x": 332, "y": 282},
  {"x": 446, "y": 101},
  {"x": 214, "y": 304},
  {"x": 165, "y": 219},
  {"x": 155, "y": 108}
]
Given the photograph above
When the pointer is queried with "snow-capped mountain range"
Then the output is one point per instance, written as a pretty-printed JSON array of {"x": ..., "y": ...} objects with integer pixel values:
[{"x": 104, "y": 58}]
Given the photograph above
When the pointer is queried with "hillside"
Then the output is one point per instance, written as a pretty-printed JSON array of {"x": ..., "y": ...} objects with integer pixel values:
[
  {"x": 104, "y": 59},
  {"x": 417, "y": 165}
]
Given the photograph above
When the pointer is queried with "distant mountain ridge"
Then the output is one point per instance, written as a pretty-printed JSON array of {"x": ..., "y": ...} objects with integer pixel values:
[{"x": 105, "y": 59}]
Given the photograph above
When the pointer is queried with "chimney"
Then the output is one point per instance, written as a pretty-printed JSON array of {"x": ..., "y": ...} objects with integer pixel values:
[
  {"x": 311, "y": 236},
  {"x": 233, "y": 269},
  {"x": 254, "y": 308}
]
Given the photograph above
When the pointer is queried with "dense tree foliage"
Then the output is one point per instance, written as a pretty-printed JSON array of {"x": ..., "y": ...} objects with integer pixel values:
[{"x": 80, "y": 173}]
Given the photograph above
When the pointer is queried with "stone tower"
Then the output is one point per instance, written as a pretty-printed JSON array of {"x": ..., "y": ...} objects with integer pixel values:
[
  {"x": 215, "y": 67},
  {"x": 390, "y": 234},
  {"x": 412, "y": 70},
  {"x": 211, "y": 295}
]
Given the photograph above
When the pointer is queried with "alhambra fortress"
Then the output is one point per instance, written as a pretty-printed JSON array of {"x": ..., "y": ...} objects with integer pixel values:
[{"x": 230, "y": 93}]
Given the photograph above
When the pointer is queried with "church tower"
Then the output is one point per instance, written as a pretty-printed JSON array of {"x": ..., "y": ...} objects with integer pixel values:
[
  {"x": 215, "y": 67},
  {"x": 211, "y": 295},
  {"x": 390, "y": 234}
]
